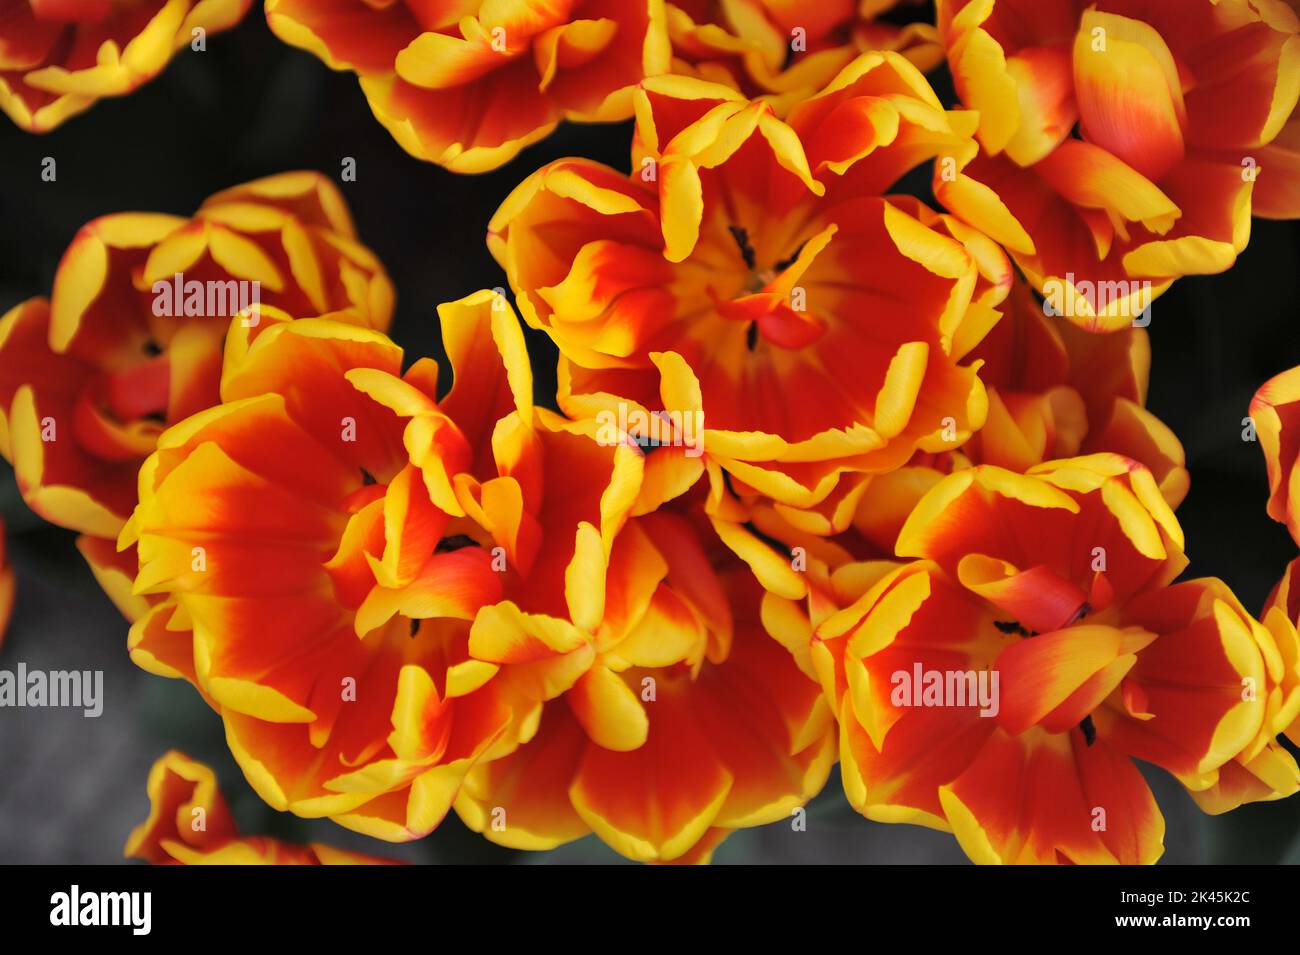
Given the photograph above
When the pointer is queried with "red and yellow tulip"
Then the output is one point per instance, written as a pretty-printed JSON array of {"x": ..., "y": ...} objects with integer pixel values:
[
  {"x": 468, "y": 573},
  {"x": 189, "y": 823},
  {"x": 467, "y": 86},
  {"x": 381, "y": 589},
  {"x": 1265, "y": 770},
  {"x": 786, "y": 51},
  {"x": 58, "y": 57},
  {"x": 1055, "y": 391},
  {"x": 749, "y": 277},
  {"x": 121, "y": 350},
  {"x": 1054, "y": 589},
  {"x": 1124, "y": 144},
  {"x": 648, "y": 748},
  {"x": 1275, "y": 411}
]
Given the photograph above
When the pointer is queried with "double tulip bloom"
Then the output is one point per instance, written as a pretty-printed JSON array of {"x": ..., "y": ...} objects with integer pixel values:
[
  {"x": 189, "y": 823},
  {"x": 1124, "y": 144},
  {"x": 130, "y": 341},
  {"x": 749, "y": 277},
  {"x": 321, "y": 601},
  {"x": 788, "y": 51},
  {"x": 1050, "y": 594},
  {"x": 58, "y": 57},
  {"x": 468, "y": 86},
  {"x": 399, "y": 604},
  {"x": 1275, "y": 414},
  {"x": 1054, "y": 391}
]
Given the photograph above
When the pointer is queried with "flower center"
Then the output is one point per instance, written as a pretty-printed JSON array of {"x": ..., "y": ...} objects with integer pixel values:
[{"x": 770, "y": 309}]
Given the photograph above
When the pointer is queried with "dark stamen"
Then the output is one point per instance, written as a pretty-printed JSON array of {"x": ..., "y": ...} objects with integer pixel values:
[
  {"x": 152, "y": 348},
  {"x": 786, "y": 263},
  {"x": 751, "y": 336},
  {"x": 1089, "y": 731},
  {"x": 645, "y": 444},
  {"x": 742, "y": 240},
  {"x": 1011, "y": 626},
  {"x": 367, "y": 478},
  {"x": 415, "y": 627},
  {"x": 455, "y": 542}
]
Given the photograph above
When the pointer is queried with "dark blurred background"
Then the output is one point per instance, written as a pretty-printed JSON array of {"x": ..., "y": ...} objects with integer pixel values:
[{"x": 72, "y": 788}]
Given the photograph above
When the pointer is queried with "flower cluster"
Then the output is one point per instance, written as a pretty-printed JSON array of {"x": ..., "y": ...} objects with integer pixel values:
[{"x": 829, "y": 474}]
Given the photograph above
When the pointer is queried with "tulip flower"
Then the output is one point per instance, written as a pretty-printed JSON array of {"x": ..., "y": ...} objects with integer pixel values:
[
  {"x": 1275, "y": 414},
  {"x": 189, "y": 823},
  {"x": 59, "y": 57},
  {"x": 748, "y": 278},
  {"x": 786, "y": 51},
  {"x": 468, "y": 86},
  {"x": 690, "y": 722},
  {"x": 1001, "y": 683},
  {"x": 131, "y": 339},
  {"x": 1055, "y": 391},
  {"x": 376, "y": 589},
  {"x": 1124, "y": 145},
  {"x": 1265, "y": 770}
]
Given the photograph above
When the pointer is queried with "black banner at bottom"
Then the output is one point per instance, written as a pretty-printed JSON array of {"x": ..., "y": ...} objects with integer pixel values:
[{"x": 330, "y": 904}]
